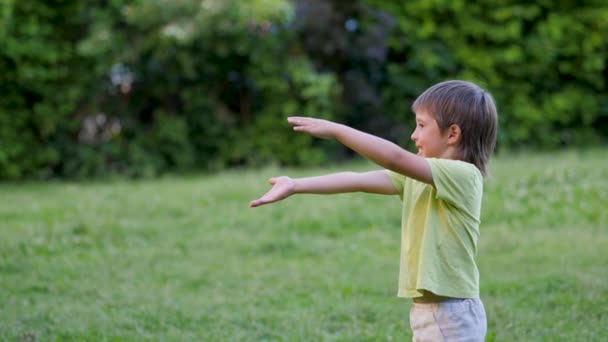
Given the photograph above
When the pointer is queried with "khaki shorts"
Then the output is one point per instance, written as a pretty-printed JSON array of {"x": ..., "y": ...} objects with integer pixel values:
[{"x": 452, "y": 320}]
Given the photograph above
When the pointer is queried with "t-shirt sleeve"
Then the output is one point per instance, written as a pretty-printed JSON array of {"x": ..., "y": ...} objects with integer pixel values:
[
  {"x": 398, "y": 181},
  {"x": 458, "y": 183}
]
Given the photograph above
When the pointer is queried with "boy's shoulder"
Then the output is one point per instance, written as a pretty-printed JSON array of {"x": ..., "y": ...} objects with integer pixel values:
[
  {"x": 449, "y": 176},
  {"x": 456, "y": 176},
  {"x": 458, "y": 183},
  {"x": 445, "y": 167},
  {"x": 454, "y": 168}
]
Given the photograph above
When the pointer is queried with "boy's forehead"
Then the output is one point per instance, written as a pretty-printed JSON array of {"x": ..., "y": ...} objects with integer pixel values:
[{"x": 423, "y": 115}]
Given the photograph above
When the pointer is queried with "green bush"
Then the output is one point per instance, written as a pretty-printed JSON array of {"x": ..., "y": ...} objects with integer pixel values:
[
  {"x": 232, "y": 72},
  {"x": 43, "y": 81},
  {"x": 545, "y": 62},
  {"x": 144, "y": 87}
]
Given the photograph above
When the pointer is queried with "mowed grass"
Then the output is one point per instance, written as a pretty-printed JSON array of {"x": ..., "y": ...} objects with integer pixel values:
[{"x": 185, "y": 259}]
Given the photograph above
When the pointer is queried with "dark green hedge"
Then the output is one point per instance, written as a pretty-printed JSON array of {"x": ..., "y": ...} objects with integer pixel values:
[
  {"x": 545, "y": 62},
  {"x": 139, "y": 88}
]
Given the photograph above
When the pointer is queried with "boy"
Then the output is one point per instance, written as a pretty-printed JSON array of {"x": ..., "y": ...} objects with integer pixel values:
[{"x": 441, "y": 188}]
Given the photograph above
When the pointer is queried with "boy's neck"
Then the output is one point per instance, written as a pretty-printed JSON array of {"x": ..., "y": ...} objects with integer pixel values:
[{"x": 452, "y": 153}]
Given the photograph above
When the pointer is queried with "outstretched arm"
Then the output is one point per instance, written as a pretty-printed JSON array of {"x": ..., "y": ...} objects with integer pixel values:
[
  {"x": 377, "y": 182},
  {"x": 378, "y": 150}
]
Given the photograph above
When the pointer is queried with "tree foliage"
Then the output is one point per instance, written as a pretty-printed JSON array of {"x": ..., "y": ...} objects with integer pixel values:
[
  {"x": 142, "y": 87},
  {"x": 544, "y": 61}
]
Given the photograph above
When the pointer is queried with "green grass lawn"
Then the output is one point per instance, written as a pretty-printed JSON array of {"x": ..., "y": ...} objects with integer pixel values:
[{"x": 185, "y": 259}]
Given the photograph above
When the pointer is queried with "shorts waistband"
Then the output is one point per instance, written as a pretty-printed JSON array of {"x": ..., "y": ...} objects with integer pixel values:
[{"x": 452, "y": 303}]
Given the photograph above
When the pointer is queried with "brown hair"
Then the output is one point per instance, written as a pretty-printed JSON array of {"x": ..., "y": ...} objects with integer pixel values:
[{"x": 471, "y": 108}]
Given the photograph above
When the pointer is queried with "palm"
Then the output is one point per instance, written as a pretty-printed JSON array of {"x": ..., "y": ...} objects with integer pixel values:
[
  {"x": 282, "y": 188},
  {"x": 316, "y": 127}
]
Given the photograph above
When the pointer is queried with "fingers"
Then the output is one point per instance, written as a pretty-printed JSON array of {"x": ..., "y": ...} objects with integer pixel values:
[
  {"x": 261, "y": 201},
  {"x": 299, "y": 121},
  {"x": 266, "y": 198},
  {"x": 280, "y": 190},
  {"x": 296, "y": 119},
  {"x": 255, "y": 203},
  {"x": 300, "y": 124}
]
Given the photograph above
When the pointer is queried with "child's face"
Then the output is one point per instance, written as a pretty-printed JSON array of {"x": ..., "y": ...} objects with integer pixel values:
[{"x": 428, "y": 138}]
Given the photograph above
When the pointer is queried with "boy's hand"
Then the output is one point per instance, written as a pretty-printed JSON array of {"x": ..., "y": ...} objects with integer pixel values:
[
  {"x": 283, "y": 187},
  {"x": 316, "y": 127}
]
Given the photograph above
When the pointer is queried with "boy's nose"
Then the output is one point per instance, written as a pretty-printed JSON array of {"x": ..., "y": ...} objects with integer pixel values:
[{"x": 413, "y": 136}]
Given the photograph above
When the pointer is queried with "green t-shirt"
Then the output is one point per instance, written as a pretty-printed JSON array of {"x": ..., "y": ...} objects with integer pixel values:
[{"x": 439, "y": 230}]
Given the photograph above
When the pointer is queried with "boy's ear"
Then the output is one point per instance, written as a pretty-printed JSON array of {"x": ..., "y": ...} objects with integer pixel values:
[{"x": 454, "y": 134}]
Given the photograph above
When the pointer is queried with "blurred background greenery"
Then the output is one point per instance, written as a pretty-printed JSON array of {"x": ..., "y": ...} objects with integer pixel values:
[{"x": 139, "y": 88}]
